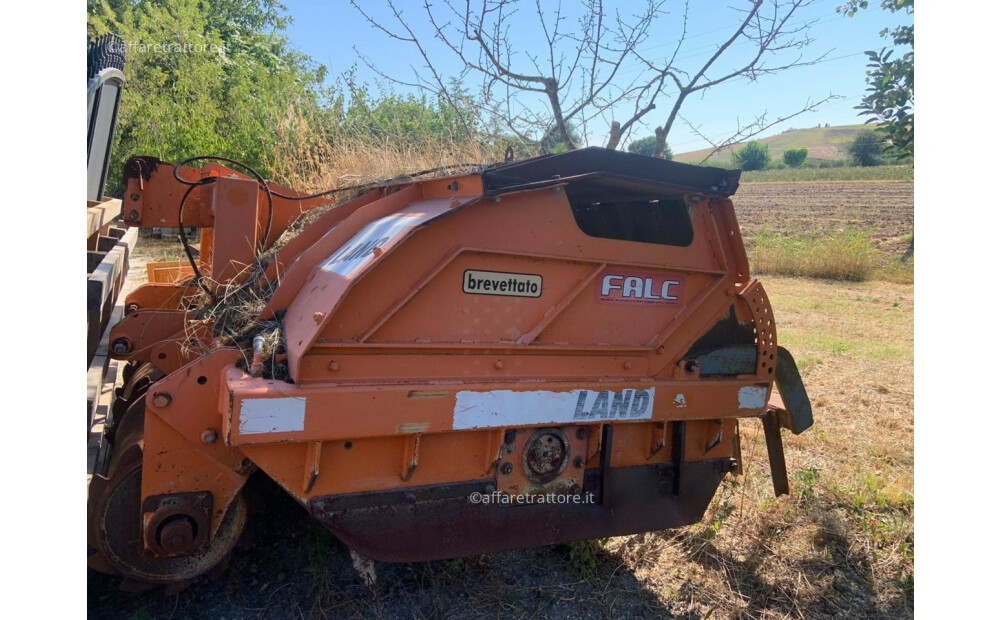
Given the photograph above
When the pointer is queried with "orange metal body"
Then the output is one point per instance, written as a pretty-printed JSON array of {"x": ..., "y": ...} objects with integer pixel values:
[{"x": 384, "y": 341}]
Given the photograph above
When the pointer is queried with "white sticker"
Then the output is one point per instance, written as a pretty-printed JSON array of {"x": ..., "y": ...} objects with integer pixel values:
[
  {"x": 501, "y": 408},
  {"x": 272, "y": 415},
  {"x": 476, "y": 282},
  {"x": 355, "y": 253},
  {"x": 752, "y": 397}
]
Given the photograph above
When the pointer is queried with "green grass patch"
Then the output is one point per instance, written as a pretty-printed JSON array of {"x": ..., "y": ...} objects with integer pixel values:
[
  {"x": 844, "y": 255},
  {"x": 850, "y": 173},
  {"x": 895, "y": 271}
]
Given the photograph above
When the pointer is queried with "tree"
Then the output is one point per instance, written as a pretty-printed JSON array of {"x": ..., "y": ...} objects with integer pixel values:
[
  {"x": 601, "y": 70},
  {"x": 224, "y": 93},
  {"x": 889, "y": 101},
  {"x": 753, "y": 156},
  {"x": 795, "y": 157},
  {"x": 866, "y": 148},
  {"x": 648, "y": 146}
]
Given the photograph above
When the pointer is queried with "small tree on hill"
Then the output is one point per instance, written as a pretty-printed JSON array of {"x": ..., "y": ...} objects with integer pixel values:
[
  {"x": 795, "y": 157},
  {"x": 753, "y": 156},
  {"x": 648, "y": 146},
  {"x": 866, "y": 148}
]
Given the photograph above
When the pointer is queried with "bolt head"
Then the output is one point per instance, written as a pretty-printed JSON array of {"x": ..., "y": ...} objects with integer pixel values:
[
  {"x": 582, "y": 432},
  {"x": 318, "y": 316},
  {"x": 177, "y": 536},
  {"x": 334, "y": 366},
  {"x": 134, "y": 197},
  {"x": 498, "y": 365},
  {"x": 161, "y": 399},
  {"x": 627, "y": 365},
  {"x": 208, "y": 436},
  {"x": 578, "y": 461},
  {"x": 133, "y": 215},
  {"x": 506, "y": 468}
]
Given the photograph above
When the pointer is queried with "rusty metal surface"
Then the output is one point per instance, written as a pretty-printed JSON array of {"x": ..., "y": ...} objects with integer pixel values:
[
  {"x": 116, "y": 534},
  {"x": 177, "y": 523},
  {"x": 545, "y": 455},
  {"x": 440, "y": 522},
  {"x": 775, "y": 453}
]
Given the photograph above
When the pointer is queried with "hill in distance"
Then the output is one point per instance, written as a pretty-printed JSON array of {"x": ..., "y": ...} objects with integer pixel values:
[{"x": 822, "y": 142}]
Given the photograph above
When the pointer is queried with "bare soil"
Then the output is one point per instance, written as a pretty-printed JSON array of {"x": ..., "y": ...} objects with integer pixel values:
[{"x": 885, "y": 208}]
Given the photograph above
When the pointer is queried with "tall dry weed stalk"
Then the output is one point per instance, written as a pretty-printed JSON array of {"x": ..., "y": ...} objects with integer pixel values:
[{"x": 309, "y": 155}]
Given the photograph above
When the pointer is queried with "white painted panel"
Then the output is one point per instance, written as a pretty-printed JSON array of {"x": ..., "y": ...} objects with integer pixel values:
[
  {"x": 501, "y": 408},
  {"x": 354, "y": 254},
  {"x": 272, "y": 415},
  {"x": 752, "y": 397}
]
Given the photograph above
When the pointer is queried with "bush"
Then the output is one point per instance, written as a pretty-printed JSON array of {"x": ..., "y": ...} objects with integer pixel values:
[
  {"x": 844, "y": 255},
  {"x": 866, "y": 148},
  {"x": 753, "y": 156},
  {"x": 795, "y": 157},
  {"x": 647, "y": 146}
]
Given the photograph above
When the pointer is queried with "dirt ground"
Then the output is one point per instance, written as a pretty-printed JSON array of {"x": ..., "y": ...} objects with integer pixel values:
[
  {"x": 840, "y": 546},
  {"x": 885, "y": 208}
]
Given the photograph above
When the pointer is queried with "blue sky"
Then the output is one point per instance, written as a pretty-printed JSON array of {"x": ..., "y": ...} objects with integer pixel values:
[{"x": 330, "y": 32}]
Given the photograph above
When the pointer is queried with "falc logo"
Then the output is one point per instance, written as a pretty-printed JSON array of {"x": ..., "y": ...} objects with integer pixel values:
[{"x": 639, "y": 288}]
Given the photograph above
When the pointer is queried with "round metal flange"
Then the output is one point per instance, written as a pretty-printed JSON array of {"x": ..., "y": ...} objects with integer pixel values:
[{"x": 545, "y": 455}]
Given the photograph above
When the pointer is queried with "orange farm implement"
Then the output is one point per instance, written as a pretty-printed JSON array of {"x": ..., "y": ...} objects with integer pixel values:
[{"x": 535, "y": 352}]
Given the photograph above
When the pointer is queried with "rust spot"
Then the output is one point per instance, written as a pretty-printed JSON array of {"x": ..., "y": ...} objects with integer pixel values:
[{"x": 545, "y": 455}]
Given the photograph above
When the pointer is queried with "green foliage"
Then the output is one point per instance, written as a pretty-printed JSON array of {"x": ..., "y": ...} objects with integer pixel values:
[
  {"x": 583, "y": 555},
  {"x": 889, "y": 101},
  {"x": 552, "y": 142},
  {"x": 406, "y": 118},
  {"x": 807, "y": 173},
  {"x": 647, "y": 146},
  {"x": 719, "y": 519},
  {"x": 753, "y": 156},
  {"x": 795, "y": 157},
  {"x": 807, "y": 479},
  {"x": 225, "y": 99},
  {"x": 866, "y": 148}
]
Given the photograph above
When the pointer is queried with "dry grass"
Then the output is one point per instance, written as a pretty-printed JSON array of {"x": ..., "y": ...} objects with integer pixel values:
[
  {"x": 842, "y": 255},
  {"x": 307, "y": 159},
  {"x": 842, "y": 544}
]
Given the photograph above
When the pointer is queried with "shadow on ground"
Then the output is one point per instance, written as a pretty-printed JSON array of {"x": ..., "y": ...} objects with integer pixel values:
[{"x": 290, "y": 567}]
